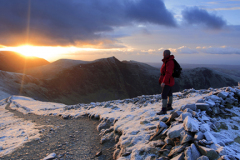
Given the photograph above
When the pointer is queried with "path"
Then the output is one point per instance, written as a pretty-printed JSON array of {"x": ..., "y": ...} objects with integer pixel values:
[{"x": 69, "y": 139}]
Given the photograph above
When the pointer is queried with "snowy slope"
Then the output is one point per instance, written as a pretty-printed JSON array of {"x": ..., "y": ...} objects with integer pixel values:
[{"x": 131, "y": 122}]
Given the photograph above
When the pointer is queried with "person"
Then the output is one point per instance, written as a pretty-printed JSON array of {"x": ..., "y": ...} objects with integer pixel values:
[{"x": 166, "y": 81}]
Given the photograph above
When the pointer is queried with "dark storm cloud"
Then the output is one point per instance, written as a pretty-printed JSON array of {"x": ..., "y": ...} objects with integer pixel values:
[
  {"x": 71, "y": 21},
  {"x": 194, "y": 15}
]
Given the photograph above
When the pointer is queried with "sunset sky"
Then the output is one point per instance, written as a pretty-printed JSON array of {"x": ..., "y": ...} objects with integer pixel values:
[{"x": 195, "y": 31}]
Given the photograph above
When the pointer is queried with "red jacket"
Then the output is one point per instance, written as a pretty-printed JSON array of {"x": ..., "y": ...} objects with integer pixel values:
[{"x": 167, "y": 71}]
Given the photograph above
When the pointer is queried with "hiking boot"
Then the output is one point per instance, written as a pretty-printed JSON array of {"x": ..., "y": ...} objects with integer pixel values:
[
  {"x": 164, "y": 107},
  {"x": 163, "y": 111},
  {"x": 169, "y": 107}
]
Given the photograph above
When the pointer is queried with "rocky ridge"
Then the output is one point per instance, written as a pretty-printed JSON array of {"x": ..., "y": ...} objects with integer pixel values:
[{"x": 185, "y": 133}]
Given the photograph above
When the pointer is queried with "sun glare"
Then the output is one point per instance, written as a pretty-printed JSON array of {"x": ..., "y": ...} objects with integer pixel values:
[{"x": 46, "y": 52}]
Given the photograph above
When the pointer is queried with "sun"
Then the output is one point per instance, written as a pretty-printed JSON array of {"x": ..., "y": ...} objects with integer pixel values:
[{"x": 28, "y": 51}]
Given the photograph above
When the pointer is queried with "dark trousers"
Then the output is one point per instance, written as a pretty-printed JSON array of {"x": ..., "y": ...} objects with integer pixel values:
[{"x": 166, "y": 92}]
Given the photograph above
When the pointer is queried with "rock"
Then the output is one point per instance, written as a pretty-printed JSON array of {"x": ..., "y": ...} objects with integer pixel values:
[
  {"x": 104, "y": 125},
  {"x": 200, "y": 101},
  {"x": 194, "y": 151},
  {"x": 179, "y": 157},
  {"x": 98, "y": 154},
  {"x": 188, "y": 154},
  {"x": 176, "y": 150},
  {"x": 203, "y": 158},
  {"x": 230, "y": 100},
  {"x": 210, "y": 102},
  {"x": 214, "y": 98},
  {"x": 210, "y": 153},
  {"x": 190, "y": 124},
  {"x": 169, "y": 141},
  {"x": 66, "y": 116},
  {"x": 204, "y": 127},
  {"x": 216, "y": 110},
  {"x": 230, "y": 89},
  {"x": 210, "y": 137},
  {"x": 202, "y": 106},
  {"x": 175, "y": 131},
  {"x": 185, "y": 137},
  {"x": 174, "y": 115},
  {"x": 162, "y": 125},
  {"x": 198, "y": 136},
  {"x": 191, "y": 106},
  {"x": 183, "y": 116},
  {"x": 164, "y": 118},
  {"x": 50, "y": 156}
]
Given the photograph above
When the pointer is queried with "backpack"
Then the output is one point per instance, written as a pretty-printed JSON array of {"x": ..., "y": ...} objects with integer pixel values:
[{"x": 177, "y": 69}]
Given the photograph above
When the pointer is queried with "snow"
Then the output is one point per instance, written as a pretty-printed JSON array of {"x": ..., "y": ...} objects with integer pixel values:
[
  {"x": 135, "y": 121},
  {"x": 14, "y": 131}
]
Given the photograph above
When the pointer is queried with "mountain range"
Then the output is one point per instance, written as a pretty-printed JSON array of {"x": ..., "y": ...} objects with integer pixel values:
[
  {"x": 14, "y": 62},
  {"x": 74, "y": 81}
]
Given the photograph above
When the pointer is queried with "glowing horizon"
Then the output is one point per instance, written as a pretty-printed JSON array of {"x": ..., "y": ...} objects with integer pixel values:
[{"x": 47, "y": 52}]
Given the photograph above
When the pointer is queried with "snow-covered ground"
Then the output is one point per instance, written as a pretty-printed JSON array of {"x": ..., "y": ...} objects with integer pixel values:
[
  {"x": 14, "y": 131},
  {"x": 134, "y": 121}
]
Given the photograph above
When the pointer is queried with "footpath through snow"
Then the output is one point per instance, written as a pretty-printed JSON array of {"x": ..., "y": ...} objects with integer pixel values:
[{"x": 204, "y": 124}]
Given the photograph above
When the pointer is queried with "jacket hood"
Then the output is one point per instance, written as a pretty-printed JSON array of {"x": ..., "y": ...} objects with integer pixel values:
[{"x": 171, "y": 57}]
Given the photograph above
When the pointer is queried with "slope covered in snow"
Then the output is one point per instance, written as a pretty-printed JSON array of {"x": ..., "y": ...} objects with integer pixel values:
[{"x": 204, "y": 119}]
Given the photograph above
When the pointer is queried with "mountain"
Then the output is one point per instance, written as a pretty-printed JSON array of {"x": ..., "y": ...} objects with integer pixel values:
[
  {"x": 51, "y": 70},
  {"x": 72, "y": 82},
  {"x": 104, "y": 79},
  {"x": 13, "y": 62}
]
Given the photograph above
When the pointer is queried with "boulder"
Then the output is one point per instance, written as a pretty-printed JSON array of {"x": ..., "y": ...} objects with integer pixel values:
[
  {"x": 175, "y": 131},
  {"x": 184, "y": 115},
  {"x": 215, "y": 98},
  {"x": 210, "y": 102},
  {"x": 191, "y": 106},
  {"x": 210, "y": 137},
  {"x": 185, "y": 137},
  {"x": 216, "y": 110},
  {"x": 204, "y": 128},
  {"x": 200, "y": 101},
  {"x": 230, "y": 89},
  {"x": 190, "y": 124},
  {"x": 176, "y": 150},
  {"x": 188, "y": 154},
  {"x": 198, "y": 136},
  {"x": 194, "y": 151},
  {"x": 202, "y": 106},
  {"x": 210, "y": 153},
  {"x": 223, "y": 95}
]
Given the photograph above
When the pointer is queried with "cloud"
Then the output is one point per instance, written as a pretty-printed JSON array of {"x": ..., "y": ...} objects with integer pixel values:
[
  {"x": 222, "y": 50},
  {"x": 186, "y": 50},
  {"x": 73, "y": 22},
  {"x": 196, "y": 16}
]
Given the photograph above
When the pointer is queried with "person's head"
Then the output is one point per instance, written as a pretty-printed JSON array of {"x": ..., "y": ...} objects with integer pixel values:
[{"x": 166, "y": 53}]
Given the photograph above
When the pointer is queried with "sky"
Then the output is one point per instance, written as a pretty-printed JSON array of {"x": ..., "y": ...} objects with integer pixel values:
[{"x": 200, "y": 32}]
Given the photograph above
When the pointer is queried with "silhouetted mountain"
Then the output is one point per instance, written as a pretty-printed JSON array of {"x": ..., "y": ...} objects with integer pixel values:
[
  {"x": 73, "y": 82},
  {"x": 51, "y": 70},
  {"x": 203, "y": 78},
  {"x": 13, "y": 62},
  {"x": 104, "y": 79}
]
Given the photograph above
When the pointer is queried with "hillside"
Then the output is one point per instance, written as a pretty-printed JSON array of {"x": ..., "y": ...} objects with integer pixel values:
[
  {"x": 71, "y": 82},
  {"x": 104, "y": 79},
  {"x": 54, "y": 68},
  {"x": 13, "y": 62}
]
